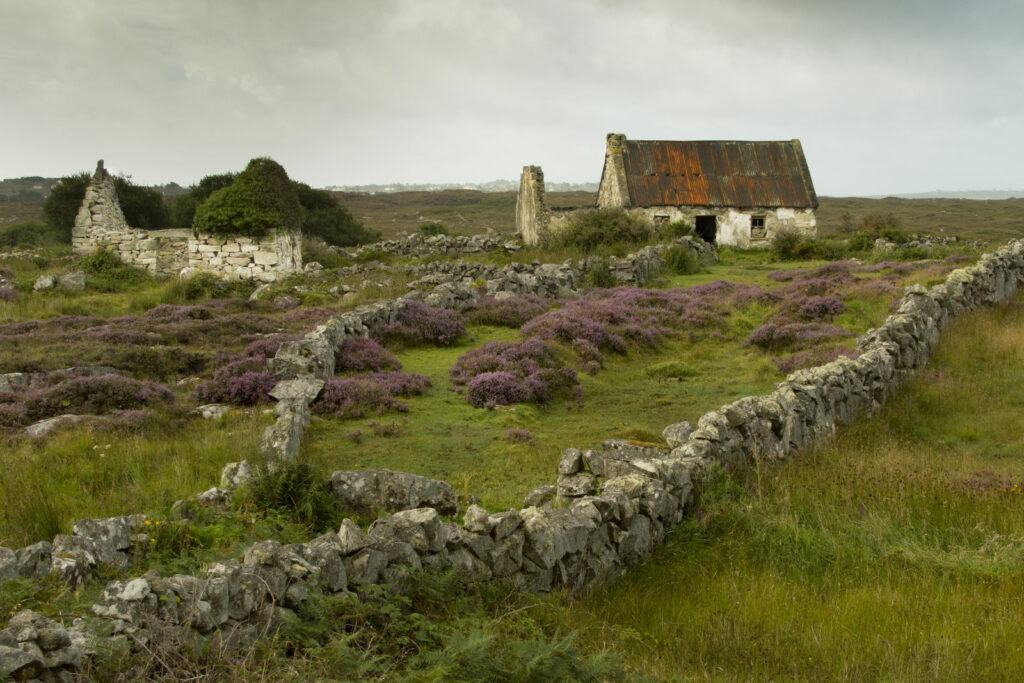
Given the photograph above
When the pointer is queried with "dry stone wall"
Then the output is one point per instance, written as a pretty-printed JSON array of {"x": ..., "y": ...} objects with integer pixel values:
[
  {"x": 610, "y": 507},
  {"x": 100, "y": 224}
]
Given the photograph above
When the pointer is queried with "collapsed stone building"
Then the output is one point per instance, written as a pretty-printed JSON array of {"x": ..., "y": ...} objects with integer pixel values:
[
  {"x": 732, "y": 192},
  {"x": 100, "y": 224}
]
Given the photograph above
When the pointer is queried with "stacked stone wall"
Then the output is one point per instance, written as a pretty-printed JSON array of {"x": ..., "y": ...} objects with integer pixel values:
[{"x": 608, "y": 509}]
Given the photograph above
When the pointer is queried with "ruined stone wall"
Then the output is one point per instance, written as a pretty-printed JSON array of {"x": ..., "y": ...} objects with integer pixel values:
[
  {"x": 531, "y": 213},
  {"x": 606, "y": 512},
  {"x": 100, "y": 224},
  {"x": 613, "y": 192}
]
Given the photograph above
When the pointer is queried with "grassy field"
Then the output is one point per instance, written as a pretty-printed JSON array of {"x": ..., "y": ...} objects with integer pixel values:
[
  {"x": 470, "y": 211},
  {"x": 895, "y": 553}
]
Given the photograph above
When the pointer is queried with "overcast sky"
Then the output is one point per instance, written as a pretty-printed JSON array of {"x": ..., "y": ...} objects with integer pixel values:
[{"x": 886, "y": 95}]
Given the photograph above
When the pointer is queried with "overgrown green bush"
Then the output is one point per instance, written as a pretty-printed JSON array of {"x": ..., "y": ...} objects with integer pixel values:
[
  {"x": 261, "y": 199},
  {"x": 679, "y": 228},
  {"x": 183, "y": 208},
  {"x": 325, "y": 218},
  {"x": 143, "y": 207},
  {"x": 62, "y": 204},
  {"x": 315, "y": 249},
  {"x": 31, "y": 234},
  {"x": 681, "y": 261},
  {"x": 109, "y": 273},
  {"x": 588, "y": 230},
  {"x": 599, "y": 275},
  {"x": 432, "y": 228},
  {"x": 297, "y": 490}
]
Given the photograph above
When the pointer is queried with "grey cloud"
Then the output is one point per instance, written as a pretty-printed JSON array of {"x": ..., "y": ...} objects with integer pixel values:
[{"x": 396, "y": 90}]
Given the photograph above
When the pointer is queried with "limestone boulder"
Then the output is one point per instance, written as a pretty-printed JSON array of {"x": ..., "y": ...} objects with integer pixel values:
[{"x": 392, "y": 491}]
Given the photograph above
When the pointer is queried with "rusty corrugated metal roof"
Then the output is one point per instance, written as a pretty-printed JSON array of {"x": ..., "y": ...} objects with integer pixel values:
[{"x": 718, "y": 173}]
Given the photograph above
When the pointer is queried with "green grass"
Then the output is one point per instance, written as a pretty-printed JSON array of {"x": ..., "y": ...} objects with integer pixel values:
[
  {"x": 894, "y": 553},
  {"x": 79, "y": 473}
]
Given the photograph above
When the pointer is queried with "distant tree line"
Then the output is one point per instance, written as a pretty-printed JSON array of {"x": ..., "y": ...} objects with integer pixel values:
[{"x": 259, "y": 199}]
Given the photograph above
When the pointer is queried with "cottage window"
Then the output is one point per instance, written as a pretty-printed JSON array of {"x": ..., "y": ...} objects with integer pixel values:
[{"x": 757, "y": 229}]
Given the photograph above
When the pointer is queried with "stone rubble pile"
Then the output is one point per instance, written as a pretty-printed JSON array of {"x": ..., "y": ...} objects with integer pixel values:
[{"x": 609, "y": 508}]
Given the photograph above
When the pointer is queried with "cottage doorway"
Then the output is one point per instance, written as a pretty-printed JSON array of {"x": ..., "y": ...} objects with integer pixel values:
[{"x": 707, "y": 228}]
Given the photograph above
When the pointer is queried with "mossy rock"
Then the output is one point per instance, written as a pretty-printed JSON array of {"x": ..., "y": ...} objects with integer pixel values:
[{"x": 669, "y": 370}]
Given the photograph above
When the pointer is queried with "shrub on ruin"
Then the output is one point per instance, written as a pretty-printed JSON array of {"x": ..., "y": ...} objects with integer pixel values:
[
  {"x": 679, "y": 228},
  {"x": 323, "y": 217},
  {"x": 418, "y": 324},
  {"x": 433, "y": 228},
  {"x": 62, "y": 204},
  {"x": 143, "y": 207},
  {"x": 599, "y": 275},
  {"x": 296, "y": 489},
  {"x": 362, "y": 354},
  {"x": 587, "y": 230},
  {"x": 681, "y": 261},
  {"x": 109, "y": 273},
  {"x": 260, "y": 200}
]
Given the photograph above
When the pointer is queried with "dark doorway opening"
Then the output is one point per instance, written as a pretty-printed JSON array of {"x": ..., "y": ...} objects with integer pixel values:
[{"x": 707, "y": 228}]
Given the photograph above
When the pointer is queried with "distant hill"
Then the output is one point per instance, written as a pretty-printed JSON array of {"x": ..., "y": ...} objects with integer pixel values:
[
  {"x": 27, "y": 189},
  {"x": 492, "y": 186},
  {"x": 955, "y": 194},
  {"x": 37, "y": 188}
]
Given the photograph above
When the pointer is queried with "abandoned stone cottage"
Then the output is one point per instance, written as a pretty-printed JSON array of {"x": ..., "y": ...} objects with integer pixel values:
[
  {"x": 731, "y": 192},
  {"x": 100, "y": 224}
]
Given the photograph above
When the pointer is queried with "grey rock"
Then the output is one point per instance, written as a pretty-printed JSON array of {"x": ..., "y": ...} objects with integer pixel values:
[
  {"x": 392, "y": 491},
  {"x": 73, "y": 559},
  {"x": 365, "y": 566},
  {"x": 19, "y": 665},
  {"x": 540, "y": 496},
  {"x": 470, "y": 563},
  {"x": 34, "y": 560},
  {"x": 302, "y": 388},
  {"x": 421, "y": 528},
  {"x": 115, "y": 530},
  {"x": 677, "y": 434},
  {"x": 44, "y": 282},
  {"x": 213, "y": 411},
  {"x": 571, "y": 462},
  {"x": 476, "y": 520},
  {"x": 44, "y": 427},
  {"x": 575, "y": 485},
  {"x": 235, "y": 474},
  {"x": 8, "y": 564},
  {"x": 504, "y": 523},
  {"x": 73, "y": 281},
  {"x": 351, "y": 537}
]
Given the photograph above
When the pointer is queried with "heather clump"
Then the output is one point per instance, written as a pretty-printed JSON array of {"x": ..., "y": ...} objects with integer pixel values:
[
  {"x": 793, "y": 336},
  {"x": 78, "y": 394},
  {"x": 613, "y": 321},
  {"x": 372, "y": 394},
  {"x": 512, "y": 312},
  {"x": 503, "y": 373},
  {"x": 419, "y": 324},
  {"x": 245, "y": 379},
  {"x": 362, "y": 354},
  {"x": 818, "y": 308}
]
